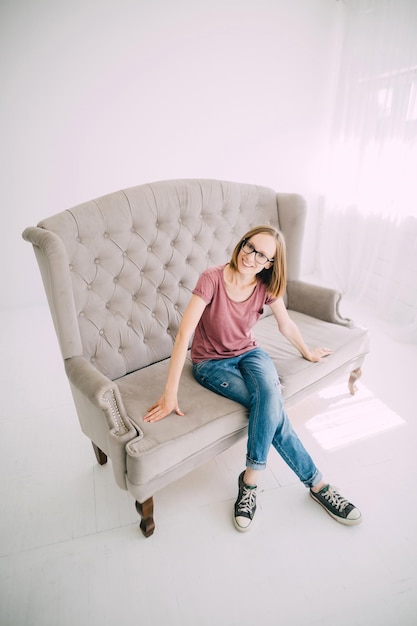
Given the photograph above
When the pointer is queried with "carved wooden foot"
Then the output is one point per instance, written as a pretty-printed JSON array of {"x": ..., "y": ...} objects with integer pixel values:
[
  {"x": 100, "y": 456},
  {"x": 145, "y": 510},
  {"x": 354, "y": 376}
]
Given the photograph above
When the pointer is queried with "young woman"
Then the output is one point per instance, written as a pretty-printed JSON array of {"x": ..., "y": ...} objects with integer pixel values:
[{"x": 226, "y": 303}]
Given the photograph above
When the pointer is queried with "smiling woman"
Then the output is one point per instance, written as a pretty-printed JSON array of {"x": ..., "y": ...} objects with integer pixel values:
[{"x": 227, "y": 302}]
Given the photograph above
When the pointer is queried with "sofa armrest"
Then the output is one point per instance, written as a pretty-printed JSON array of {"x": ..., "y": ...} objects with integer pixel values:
[
  {"x": 98, "y": 389},
  {"x": 316, "y": 301},
  {"x": 104, "y": 394}
]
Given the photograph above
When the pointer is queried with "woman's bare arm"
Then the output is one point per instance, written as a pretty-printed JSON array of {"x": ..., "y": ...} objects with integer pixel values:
[
  {"x": 289, "y": 329},
  {"x": 168, "y": 402}
]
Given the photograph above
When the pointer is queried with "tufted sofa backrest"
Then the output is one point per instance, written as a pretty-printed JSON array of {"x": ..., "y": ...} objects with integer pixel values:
[{"x": 133, "y": 257}]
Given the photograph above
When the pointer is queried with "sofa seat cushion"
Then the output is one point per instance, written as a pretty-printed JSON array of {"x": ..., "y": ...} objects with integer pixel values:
[
  {"x": 161, "y": 446},
  {"x": 298, "y": 375},
  {"x": 211, "y": 419}
]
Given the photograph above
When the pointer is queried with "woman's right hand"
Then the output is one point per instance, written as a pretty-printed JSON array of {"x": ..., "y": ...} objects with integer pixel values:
[{"x": 166, "y": 404}]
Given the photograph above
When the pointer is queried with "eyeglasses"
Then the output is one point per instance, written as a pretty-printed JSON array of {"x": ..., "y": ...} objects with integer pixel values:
[{"x": 260, "y": 257}]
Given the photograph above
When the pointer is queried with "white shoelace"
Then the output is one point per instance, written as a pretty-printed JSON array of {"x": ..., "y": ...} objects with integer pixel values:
[
  {"x": 247, "y": 501},
  {"x": 335, "y": 499}
]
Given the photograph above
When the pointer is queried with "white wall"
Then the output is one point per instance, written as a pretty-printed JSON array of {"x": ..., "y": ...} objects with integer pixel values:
[{"x": 100, "y": 95}]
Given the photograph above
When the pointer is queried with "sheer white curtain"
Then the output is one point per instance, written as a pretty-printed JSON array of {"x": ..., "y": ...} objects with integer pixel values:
[{"x": 368, "y": 230}]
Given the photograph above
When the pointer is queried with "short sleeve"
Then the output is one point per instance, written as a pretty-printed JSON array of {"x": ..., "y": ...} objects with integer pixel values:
[
  {"x": 269, "y": 299},
  {"x": 208, "y": 283},
  {"x": 206, "y": 286}
]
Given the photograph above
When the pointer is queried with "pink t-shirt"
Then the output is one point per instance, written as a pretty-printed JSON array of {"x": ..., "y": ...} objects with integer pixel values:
[{"x": 225, "y": 328}]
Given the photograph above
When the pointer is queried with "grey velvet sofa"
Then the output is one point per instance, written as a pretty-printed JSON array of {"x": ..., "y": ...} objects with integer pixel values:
[{"x": 118, "y": 272}]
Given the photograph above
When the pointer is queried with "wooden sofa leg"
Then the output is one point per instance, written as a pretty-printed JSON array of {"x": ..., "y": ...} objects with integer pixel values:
[
  {"x": 145, "y": 510},
  {"x": 354, "y": 375},
  {"x": 100, "y": 456}
]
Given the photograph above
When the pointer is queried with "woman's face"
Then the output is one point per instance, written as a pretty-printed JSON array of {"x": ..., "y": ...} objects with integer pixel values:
[{"x": 248, "y": 259}]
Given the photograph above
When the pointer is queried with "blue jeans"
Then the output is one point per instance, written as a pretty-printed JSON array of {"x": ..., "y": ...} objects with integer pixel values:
[{"x": 252, "y": 380}]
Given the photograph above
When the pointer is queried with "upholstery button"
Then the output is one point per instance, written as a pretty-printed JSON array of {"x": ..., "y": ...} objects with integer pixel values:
[
  {"x": 78, "y": 239},
  {"x": 134, "y": 298},
  {"x": 106, "y": 235},
  {"x": 115, "y": 279},
  {"x": 107, "y": 305},
  {"x": 153, "y": 315},
  {"x": 142, "y": 272},
  {"x": 96, "y": 261},
  {"x": 172, "y": 244},
  {"x": 124, "y": 255},
  {"x": 82, "y": 314},
  {"x": 89, "y": 287},
  {"x": 180, "y": 284},
  {"x": 145, "y": 340},
  {"x": 71, "y": 268},
  {"x": 158, "y": 290},
  {"x": 101, "y": 331},
  {"x": 93, "y": 358},
  {"x": 120, "y": 349},
  {"x": 165, "y": 267},
  {"x": 129, "y": 323},
  {"x": 149, "y": 249},
  {"x": 132, "y": 230}
]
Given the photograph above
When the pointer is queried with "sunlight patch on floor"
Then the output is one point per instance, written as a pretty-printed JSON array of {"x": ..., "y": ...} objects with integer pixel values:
[{"x": 339, "y": 419}]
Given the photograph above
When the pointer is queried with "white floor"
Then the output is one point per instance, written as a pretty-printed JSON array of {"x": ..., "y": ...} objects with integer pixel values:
[{"x": 71, "y": 552}]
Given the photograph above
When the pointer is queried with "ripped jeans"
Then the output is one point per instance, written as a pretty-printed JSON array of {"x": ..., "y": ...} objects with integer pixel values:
[{"x": 252, "y": 380}]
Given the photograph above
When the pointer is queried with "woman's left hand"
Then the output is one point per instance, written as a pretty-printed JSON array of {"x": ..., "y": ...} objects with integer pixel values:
[{"x": 317, "y": 355}]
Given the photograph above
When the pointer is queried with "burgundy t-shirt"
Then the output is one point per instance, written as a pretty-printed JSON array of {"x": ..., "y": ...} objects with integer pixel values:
[{"x": 225, "y": 328}]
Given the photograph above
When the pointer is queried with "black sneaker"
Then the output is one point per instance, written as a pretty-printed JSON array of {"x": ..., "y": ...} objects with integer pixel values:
[
  {"x": 337, "y": 506},
  {"x": 245, "y": 505}
]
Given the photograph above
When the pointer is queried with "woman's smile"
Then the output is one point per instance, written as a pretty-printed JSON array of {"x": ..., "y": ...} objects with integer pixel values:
[{"x": 247, "y": 262}]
